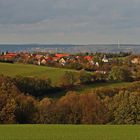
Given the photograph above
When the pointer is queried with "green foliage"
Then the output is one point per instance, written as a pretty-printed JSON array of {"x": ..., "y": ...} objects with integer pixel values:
[
  {"x": 120, "y": 74},
  {"x": 126, "y": 108}
]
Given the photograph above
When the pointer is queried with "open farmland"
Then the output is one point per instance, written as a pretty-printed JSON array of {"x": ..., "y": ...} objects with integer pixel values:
[{"x": 69, "y": 132}]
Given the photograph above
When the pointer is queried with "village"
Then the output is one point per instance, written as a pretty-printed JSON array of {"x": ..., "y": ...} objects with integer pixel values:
[
  {"x": 45, "y": 58},
  {"x": 99, "y": 62}
]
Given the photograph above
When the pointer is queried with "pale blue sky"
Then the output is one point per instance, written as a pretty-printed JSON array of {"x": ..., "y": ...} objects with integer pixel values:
[{"x": 69, "y": 21}]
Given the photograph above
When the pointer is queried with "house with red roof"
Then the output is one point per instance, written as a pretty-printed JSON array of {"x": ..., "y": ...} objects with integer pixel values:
[
  {"x": 89, "y": 59},
  {"x": 59, "y": 55},
  {"x": 10, "y": 56},
  {"x": 56, "y": 59}
]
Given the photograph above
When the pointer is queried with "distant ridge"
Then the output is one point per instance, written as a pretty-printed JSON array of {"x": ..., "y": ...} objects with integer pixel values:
[{"x": 71, "y": 48}]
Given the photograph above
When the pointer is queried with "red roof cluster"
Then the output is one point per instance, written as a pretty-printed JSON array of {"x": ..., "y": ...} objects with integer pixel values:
[
  {"x": 61, "y": 55},
  {"x": 11, "y": 54},
  {"x": 89, "y": 58}
]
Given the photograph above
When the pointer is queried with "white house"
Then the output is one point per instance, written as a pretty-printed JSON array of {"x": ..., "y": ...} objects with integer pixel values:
[
  {"x": 105, "y": 60},
  {"x": 135, "y": 60}
]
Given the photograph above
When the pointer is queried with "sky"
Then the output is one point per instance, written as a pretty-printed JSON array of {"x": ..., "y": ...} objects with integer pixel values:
[{"x": 69, "y": 21}]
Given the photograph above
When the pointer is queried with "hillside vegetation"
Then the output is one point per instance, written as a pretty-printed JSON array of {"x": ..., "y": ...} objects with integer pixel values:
[
  {"x": 111, "y": 98},
  {"x": 54, "y": 74}
]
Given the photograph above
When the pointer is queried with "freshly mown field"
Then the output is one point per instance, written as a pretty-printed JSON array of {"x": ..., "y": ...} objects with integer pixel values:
[{"x": 69, "y": 132}]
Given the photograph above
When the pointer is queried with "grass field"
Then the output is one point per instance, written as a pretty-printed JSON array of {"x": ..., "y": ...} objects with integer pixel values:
[
  {"x": 86, "y": 88},
  {"x": 69, "y": 132},
  {"x": 32, "y": 70}
]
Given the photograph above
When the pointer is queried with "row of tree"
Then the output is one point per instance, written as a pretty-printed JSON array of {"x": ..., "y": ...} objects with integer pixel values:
[{"x": 118, "y": 73}]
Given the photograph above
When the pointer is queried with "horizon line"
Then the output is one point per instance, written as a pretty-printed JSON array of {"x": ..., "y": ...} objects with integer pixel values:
[{"x": 69, "y": 44}]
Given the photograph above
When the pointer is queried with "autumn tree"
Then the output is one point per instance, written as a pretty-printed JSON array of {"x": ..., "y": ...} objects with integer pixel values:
[
  {"x": 69, "y": 79},
  {"x": 8, "y": 92},
  {"x": 93, "y": 110},
  {"x": 43, "y": 108},
  {"x": 26, "y": 111},
  {"x": 70, "y": 108}
]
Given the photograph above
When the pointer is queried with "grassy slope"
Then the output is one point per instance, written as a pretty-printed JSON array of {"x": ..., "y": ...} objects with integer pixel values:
[
  {"x": 86, "y": 88},
  {"x": 69, "y": 132},
  {"x": 32, "y": 70}
]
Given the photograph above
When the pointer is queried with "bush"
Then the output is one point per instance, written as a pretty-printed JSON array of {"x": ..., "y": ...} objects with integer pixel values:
[
  {"x": 120, "y": 74},
  {"x": 85, "y": 77},
  {"x": 68, "y": 80}
]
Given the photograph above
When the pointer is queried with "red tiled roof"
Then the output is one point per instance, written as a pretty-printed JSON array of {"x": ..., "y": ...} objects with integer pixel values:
[
  {"x": 89, "y": 58},
  {"x": 8, "y": 56},
  {"x": 11, "y": 54},
  {"x": 61, "y": 55},
  {"x": 56, "y": 58}
]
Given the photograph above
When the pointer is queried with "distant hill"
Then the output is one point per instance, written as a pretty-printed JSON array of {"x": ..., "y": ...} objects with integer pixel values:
[{"x": 114, "y": 48}]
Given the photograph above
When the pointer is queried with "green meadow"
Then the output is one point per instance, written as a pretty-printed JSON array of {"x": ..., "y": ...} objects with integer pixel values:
[
  {"x": 69, "y": 132},
  {"x": 32, "y": 71}
]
